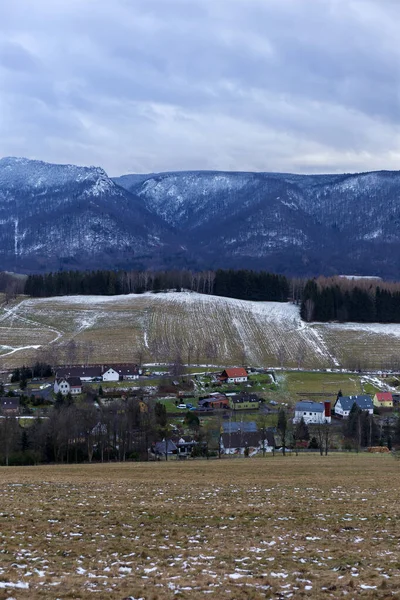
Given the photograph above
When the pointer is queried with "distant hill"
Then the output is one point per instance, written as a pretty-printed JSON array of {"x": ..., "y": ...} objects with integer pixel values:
[{"x": 64, "y": 216}]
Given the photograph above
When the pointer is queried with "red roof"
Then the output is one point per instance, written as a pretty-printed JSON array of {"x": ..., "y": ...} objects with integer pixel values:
[
  {"x": 236, "y": 372},
  {"x": 384, "y": 397}
]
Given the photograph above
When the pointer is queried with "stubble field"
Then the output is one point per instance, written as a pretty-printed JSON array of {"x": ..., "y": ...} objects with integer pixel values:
[
  {"x": 293, "y": 527},
  {"x": 201, "y": 329}
]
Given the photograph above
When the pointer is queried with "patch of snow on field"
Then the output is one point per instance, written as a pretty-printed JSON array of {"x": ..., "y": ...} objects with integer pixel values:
[
  {"x": 392, "y": 329},
  {"x": 13, "y": 350}
]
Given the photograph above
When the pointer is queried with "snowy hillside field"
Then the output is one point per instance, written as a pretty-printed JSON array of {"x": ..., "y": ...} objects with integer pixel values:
[{"x": 200, "y": 329}]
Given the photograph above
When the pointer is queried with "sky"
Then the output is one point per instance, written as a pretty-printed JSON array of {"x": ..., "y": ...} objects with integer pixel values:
[{"x": 140, "y": 86}]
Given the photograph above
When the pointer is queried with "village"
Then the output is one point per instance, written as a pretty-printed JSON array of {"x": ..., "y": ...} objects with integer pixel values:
[{"x": 235, "y": 411}]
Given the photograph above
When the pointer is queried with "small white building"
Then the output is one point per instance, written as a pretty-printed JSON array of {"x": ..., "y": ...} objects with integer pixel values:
[
  {"x": 235, "y": 375},
  {"x": 68, "y": 385},
  {"x": 312, "y": 412},
  {"x": 110, "y": 375}
]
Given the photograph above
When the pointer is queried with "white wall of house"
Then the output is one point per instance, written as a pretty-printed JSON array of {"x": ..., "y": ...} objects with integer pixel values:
[
  {"x": 310, "y": 417},
  {"x": 339, "y": 410},
  {"x": 236, "y": 379},
  {"x": 345, "y": 413},
  {"x": 111, "y": 375},
  {"x": 62, "y": 387},
  {"x": 76, "y": 390},
  {"x": 131, "y": 377},
  {"x": 252, "y": 449}
]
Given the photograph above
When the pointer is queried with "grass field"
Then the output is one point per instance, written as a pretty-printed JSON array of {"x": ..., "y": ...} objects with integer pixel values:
[
  {"x": 294, "y": 527},
  {"x": 204, "y": 330}
]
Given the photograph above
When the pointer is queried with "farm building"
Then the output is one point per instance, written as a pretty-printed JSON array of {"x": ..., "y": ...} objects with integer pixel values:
[
  {"x": 84, "y": 373},
  {"x": 383, "y": 400},
  {"x": 234, "y": 375},
  {"x": 215, "y": 401},
  {"x": 312, "y": 412},
  {"x": 128, "y": 372},
  {"x": 68, "y": 385},
  {"x": 344, "y": 404},
  {"x": 237, "y": 443},
  {"x": 101, "y": 372}
]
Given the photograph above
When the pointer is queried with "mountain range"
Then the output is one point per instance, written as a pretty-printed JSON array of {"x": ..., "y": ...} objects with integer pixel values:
[{"x": 65, "y": 216}]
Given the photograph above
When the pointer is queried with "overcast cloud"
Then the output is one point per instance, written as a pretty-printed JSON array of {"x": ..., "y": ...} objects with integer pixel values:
[{"x": 157, "y": 85}]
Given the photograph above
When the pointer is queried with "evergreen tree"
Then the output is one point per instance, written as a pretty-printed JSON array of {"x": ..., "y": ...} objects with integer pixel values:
[{"x": 302, "y": 432}]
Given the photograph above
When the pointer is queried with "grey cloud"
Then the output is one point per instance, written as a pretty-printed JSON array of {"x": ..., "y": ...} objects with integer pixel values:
[{"x": 304, "y": 85}]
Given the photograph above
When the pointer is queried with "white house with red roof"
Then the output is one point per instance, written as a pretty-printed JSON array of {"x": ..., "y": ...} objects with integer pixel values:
[
  {"x": 383, "y": 400},
  {"x": 234, "y": 375}
]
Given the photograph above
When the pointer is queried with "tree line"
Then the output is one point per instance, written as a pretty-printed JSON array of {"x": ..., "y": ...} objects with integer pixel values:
[
  {"x": 85, "y": 432},
  {"x": 334, "y": 300},
  {"x": 243, "y": 284}
]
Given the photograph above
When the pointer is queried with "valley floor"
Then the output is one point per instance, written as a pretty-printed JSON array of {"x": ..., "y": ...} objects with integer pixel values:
[{"x": 278, "y": 527}]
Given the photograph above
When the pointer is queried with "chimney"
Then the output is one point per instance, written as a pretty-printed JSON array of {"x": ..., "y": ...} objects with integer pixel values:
[{"x": 327, "y": 406}]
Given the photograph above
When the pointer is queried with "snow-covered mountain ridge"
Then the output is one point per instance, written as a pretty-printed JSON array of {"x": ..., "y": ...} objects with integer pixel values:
[{"x": 66, "y": 216}]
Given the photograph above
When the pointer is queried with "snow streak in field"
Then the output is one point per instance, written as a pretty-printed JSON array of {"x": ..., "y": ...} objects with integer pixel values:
[{"x": 200, "y": 329}]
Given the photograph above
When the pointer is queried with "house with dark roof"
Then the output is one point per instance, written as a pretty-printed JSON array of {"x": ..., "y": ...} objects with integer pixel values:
[
  {"x": 241, "y": 442},
  {"x": 344, "y": 404},
  {"x": 234, "y": 375},
  {"x": 244, "y": 402},
  {"x": 9, "y": 405},
  {"x": 312, "y": 412},
  {"x": 161, "y": 449},
  {"x": 383, "y": 400}
]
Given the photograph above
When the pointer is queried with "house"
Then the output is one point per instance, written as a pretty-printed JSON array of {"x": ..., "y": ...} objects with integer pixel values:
[
  {"x": 383, "y": 399},
  {"x": 312, "y": 412},
  {"x": 9, "y": 405},
  {"x": 245, "y": 402},
  {"x": 344, "y": 404},
  {"x": 252, "y": 441},
  {"x": 68, "y": 385},
  {"x": 110, "y": 374},
  {"x": 160, "y": 449},
  {"x": 235, "y": 375}
]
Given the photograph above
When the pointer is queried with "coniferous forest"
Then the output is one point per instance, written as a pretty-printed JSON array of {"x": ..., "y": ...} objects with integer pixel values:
[
  {"x": 246, "y": 285},
  {"x": 322, "y": 299},
  {"x": 341, "y": 300}
]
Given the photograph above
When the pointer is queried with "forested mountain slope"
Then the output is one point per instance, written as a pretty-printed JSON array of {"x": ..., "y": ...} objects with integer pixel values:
[{"x": 64, "y": 216}]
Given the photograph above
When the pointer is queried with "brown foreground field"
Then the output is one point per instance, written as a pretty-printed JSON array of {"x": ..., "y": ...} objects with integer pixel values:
[{"x": 293, "y": 527}]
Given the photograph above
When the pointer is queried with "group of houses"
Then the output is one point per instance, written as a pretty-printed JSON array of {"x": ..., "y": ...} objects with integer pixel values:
[
  {"x": 236, "y": 438},
  {"x": 320, "y": 412},
  {"x": 69, "y": 380}
]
